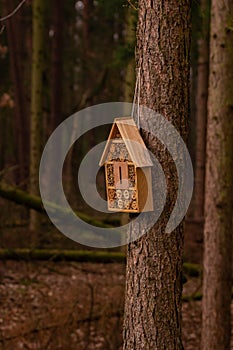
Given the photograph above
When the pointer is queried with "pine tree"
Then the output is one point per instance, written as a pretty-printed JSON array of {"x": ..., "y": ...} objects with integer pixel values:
[
  {"x": 154, "y": 262},
  {"x": 218, "y": 228},
  {"x": 38, "y": 39},
  {"x": 201, "y": 109}
]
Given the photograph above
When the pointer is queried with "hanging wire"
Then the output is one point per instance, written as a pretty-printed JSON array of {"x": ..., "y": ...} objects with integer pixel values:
[
  {"x": 134, "y": 98},
  {"x": 139, "y": 91},
  {"x": 137, "y": 98}
]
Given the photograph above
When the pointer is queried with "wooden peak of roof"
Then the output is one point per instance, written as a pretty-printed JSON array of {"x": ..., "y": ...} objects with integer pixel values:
[{"x": 134, "y": 143}]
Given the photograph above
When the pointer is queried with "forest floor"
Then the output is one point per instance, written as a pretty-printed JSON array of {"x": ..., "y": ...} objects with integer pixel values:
[
  {"x": 49, "y": 305},
  {"x": 73, "y": 306}
]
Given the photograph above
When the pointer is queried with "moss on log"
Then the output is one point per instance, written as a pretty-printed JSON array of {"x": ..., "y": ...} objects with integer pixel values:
[
  {"x": 20, "y": 197},
  {"x": 34, "y": 202},
  {"x": 195, "y": 297},
  {"x": 192, "y": 270},
  {"x": 62, "y": 255}
]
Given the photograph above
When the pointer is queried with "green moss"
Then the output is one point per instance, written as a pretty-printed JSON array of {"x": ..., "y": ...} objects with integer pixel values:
[{"x": 192, "y": 270}]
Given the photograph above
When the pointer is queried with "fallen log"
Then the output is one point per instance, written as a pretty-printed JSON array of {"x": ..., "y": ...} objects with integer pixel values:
[
  {"x": 192, "y": 270},
  {"x": 20, "y": 197},
  {"x": 62, "y": 255},
  {"x": 33, "y": 202},
  {"x": 188, "y": 298}
]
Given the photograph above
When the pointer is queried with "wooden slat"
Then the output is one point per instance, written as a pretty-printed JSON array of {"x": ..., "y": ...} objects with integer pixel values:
[
  {"x": 145, "y": 190},
  {"x": 134, "y": 142}
]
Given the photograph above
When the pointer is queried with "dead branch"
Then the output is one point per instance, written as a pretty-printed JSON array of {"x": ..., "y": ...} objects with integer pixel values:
[{"x": 2, "y": 19}]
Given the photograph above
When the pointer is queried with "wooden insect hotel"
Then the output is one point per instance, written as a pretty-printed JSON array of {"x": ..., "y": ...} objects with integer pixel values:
[{"x": 127, "y": 169}]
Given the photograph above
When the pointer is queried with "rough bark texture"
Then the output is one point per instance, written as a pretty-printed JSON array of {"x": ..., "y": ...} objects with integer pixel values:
[
  {"x": 36, "y": 101},
  {"x": 154, "y": 263},
  {"x": 201, "y": 109},
  {"x": 217, "y": 282}
]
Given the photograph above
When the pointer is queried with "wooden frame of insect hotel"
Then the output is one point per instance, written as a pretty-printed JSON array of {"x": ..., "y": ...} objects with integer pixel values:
[{"x": 127, "y": 169}]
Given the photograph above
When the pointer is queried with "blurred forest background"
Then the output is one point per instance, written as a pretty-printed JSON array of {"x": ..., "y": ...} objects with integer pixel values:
[{"x": 83, "y": 55}]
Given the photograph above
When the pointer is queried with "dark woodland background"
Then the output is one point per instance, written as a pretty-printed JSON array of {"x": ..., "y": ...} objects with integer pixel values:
[{"x": 54, "y": 293}]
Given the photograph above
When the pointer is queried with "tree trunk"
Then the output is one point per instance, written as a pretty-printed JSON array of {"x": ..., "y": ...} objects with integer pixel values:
[
  {"x": 36, "y": 101},
  {"x": 87, "y": 13},
  {"x": 56, "y": 70},
  {"x": 14, "y": 35},
  {"x": 130, "y": 68},
  {"x": 201, "y": 109},
  {"x": 217, "y": 283},
  {"x": 154, "y": 262}
]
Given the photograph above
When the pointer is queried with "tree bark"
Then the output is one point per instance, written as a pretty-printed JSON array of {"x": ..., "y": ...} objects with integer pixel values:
[
  {"x": 201, "y": 109},
  {"x": 217, "y": 283},
  {"x": 36, "y": 101},
  {"x": 154, "y": 262}
]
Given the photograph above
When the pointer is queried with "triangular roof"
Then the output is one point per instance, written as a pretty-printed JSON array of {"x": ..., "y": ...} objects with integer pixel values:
[{"x": 133, "y": 141}]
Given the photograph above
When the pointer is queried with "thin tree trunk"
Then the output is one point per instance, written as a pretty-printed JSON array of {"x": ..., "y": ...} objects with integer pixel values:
[
  {"x": 56, "y": 70},
  {"x": 130, "y": 69},
  {"x": 36, "y": 101},
  {"x": 87, "y": 12},
  {"x": 217, "y": 283},
  {"x": 56, "y": 100},
  {"x": 154, "y": 262},
  {"x": 14, "y": 34},
  {"x": 201, "y": 109}
]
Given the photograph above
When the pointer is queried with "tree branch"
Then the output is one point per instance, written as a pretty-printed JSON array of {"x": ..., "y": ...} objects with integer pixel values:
[
  {"x": 132, "y": 5},
  {"x": 2, "y": 19}
]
